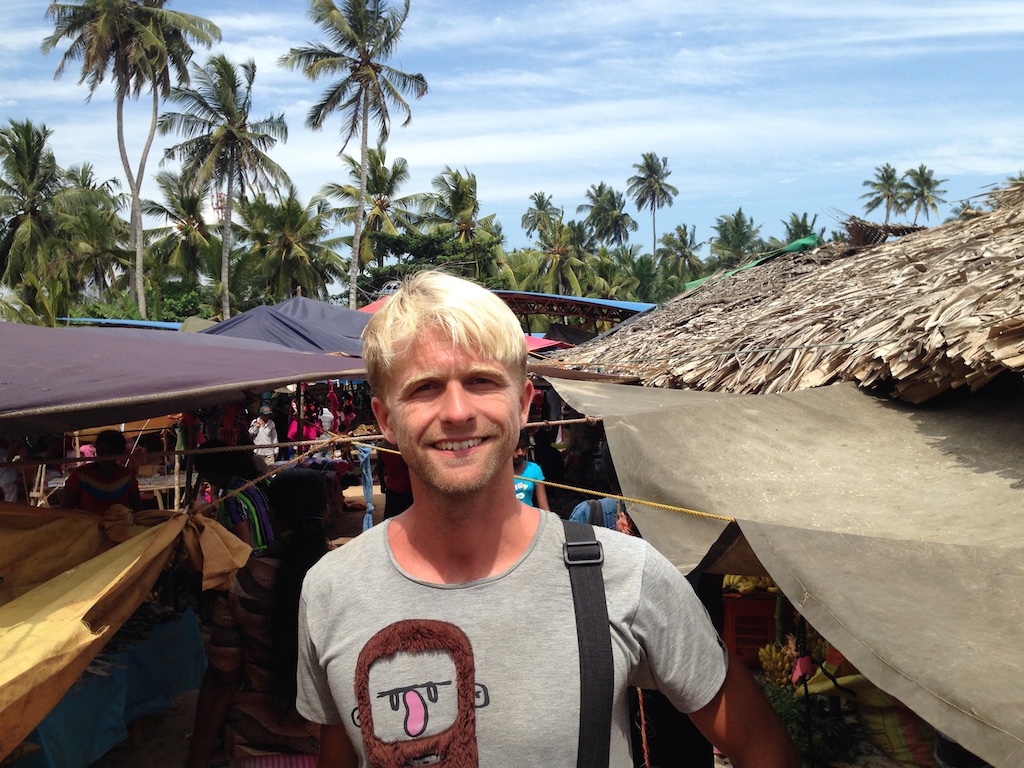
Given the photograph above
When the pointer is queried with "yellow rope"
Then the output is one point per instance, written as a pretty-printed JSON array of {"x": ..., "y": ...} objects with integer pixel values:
[
  {"x": 595, "y": 494},
  {"x": 655, "y": 504}
]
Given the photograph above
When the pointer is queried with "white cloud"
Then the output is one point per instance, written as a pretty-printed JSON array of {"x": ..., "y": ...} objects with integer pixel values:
[{"x": 778, "y": 106}]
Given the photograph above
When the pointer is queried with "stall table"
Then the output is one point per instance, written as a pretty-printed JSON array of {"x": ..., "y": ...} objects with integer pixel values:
[{"x": 142, "y": 677}]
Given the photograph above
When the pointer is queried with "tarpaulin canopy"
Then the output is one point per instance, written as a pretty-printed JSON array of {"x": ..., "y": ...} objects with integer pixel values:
[
  {"x": 67, "y": 589},
  {"x": 896, "y": 530},
  {"x": 61, "y": 379},
  {"x": 299, "y": 323}
]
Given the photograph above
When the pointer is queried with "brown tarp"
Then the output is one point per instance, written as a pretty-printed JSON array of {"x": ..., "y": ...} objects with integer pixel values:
[
  {"x": 67, "y": 589},
  {"x": 896, "y": 530},
  {"x": 62, "y": 379}
]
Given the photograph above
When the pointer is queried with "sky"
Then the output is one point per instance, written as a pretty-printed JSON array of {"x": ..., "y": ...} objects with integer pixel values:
[{"x": 772, "y": 107}]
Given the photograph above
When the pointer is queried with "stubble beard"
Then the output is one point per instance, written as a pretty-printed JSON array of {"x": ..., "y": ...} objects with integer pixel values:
[{"x": 441, "y": 476}]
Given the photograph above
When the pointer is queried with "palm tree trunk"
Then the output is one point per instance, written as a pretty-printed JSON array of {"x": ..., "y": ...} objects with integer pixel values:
[
  {"x": 364, "y": 162},
  {"x": 135, "y": 229},
  {"x": 225, "y": 246},
  {"x": 137, "y": 232},
  {"x": 654, "y": 233}
]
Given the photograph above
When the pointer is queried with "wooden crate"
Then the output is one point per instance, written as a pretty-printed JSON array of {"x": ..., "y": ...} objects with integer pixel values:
[{"x": 749, "y": 625}]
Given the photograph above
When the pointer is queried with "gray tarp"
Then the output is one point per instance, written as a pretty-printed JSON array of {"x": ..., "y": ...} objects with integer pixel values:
[
  {"x": 306, "y": 325},
  {"x": 897, "y": 531}
]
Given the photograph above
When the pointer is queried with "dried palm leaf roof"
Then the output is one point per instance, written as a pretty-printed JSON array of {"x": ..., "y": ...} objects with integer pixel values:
[{"x": 935, "y": 310}]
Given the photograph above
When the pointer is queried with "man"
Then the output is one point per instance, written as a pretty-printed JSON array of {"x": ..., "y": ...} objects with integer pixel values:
[
  {"x": 263, "y": 432},
  {"x": 447, "y": 634}
]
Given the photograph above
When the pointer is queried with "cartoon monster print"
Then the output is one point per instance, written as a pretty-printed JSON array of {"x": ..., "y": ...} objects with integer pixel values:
[{"x": 417, "y": 696}]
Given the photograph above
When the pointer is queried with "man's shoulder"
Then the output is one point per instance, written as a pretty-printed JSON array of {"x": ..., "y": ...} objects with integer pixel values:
[
  {"x": 614, "y": 543},
  {"x": 351, "y": 560}
]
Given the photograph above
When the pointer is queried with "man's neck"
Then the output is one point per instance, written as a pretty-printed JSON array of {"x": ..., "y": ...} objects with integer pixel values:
[{"x": 455, "y": 540}]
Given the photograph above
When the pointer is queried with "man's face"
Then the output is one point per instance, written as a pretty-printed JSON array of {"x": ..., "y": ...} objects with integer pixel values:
[{"x": 455, "y": 415}]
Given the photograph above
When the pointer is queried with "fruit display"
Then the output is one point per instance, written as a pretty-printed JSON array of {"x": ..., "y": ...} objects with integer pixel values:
[
  {"x": 777, "y": 664},
  {"x": 744, "y": 585}
]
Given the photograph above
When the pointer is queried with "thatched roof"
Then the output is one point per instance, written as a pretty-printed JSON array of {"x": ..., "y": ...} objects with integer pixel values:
[{"x": 932, "y": 311}]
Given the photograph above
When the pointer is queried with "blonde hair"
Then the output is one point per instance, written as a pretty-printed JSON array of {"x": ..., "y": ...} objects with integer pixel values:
[{"x": 470, "y": 315}]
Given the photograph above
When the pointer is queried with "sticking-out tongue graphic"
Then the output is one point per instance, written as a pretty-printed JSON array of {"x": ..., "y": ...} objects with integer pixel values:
[{"x": 415, "y": 713}]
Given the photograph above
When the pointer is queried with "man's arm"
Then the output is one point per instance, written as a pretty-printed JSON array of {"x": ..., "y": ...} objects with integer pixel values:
[
  {"x": 336, "y": 750},
  {"x": 741, "y": 723}
]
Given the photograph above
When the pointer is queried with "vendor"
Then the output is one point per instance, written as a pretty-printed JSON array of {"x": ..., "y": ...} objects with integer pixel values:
[
  {"x": 248, "y": 693},
  {"x": 99, "y": 485},
  {"x": 263, "y": 432}
]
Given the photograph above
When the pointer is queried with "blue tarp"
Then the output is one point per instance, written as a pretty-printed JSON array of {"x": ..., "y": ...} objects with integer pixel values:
[{"x": 302, "y": 324}]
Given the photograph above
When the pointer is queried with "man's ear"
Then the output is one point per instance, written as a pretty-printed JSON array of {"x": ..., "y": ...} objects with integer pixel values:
[
  {"x": 383, "y": 416},
  {"x": 525, "y": 399}
]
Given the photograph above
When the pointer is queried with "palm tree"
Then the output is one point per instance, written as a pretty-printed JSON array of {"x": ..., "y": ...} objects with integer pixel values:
[
  {"x": 649, "y": 188},
  {"x": 388, "y": 212},
  {"x": 60, "y": 233},
  {"x": 183, "y": 244},
  {"x": 139, "y": 44},
  {"x": 923, "y": 191},
  {"x": 737, "y": 239},
  {"x": 290, "y": 244},
  {"x": 605, "y": 215},
  {"x": 92, "y": 235},
  {"x": 798, "y": 227},
  {"x": 560, "y": 256},
  {"x": 453, "y": 209},
  {"x": 888, "y": 189},
  {"x": 678, "y": 255},
  {"x": 542, "y": 209},
  {"x": 362, "y": 36},
  {"x": 222, "y": 142},
  {"x": 610, "y": 273},
  {"x": 30, "y": 179}
]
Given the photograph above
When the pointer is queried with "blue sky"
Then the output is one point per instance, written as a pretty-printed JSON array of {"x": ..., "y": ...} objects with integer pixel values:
[{"x": 775, "y": 107}]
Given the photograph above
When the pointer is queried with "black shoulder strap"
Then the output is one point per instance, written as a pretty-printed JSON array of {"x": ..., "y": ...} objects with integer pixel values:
[{"x": 584, "y": 556}]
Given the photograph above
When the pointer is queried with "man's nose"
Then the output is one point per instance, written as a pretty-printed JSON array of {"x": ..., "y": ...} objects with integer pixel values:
[{"x": 455, "y": 404}]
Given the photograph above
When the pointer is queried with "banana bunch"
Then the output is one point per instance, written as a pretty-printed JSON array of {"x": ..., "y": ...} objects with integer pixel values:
[
  {"x": 747, "y": 584},
  {"x": 777, "y": 665}
]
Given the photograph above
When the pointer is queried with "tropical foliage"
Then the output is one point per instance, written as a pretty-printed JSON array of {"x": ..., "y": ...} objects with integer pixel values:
[
  {"x": 649, "y": 188},
  {"x": 141, "y": 46},
  {"x": 606, "y": 215},
  {"x": 917, "y": 189},
  {"x": 363, "y": 35},
  {"x": 387, "y": 212},
  {"x": 223, "y": 143},
  {"x": 228, "y": 230}
]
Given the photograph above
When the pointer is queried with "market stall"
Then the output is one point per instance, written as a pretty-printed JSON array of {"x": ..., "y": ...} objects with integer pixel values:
[
  {"x": 895, "y": 530},
  {"x": 70, "y": 581}
]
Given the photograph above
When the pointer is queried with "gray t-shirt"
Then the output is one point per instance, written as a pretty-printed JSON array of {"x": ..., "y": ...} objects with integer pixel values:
[{"x": 491, "y": 665}]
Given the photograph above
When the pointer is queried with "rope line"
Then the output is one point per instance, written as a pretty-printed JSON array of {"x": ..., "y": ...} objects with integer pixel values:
[
  {"x": 591, "y": 492},
  {"x": 630, "y": 499}
]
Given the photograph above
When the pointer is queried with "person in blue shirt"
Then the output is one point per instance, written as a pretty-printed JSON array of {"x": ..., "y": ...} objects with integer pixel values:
[
  {"x": 528, "y": 490},
  {"x": 596, "y": 512}
]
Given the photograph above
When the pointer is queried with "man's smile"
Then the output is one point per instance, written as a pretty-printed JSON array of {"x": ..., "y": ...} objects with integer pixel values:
[{"x": 458, "y": 445}]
